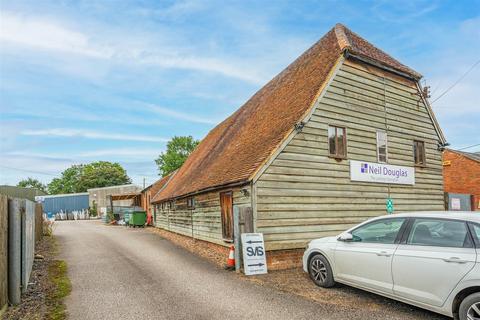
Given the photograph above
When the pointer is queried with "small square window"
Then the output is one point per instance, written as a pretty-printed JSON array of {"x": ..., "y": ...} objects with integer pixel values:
[
  {"x": 191, "y": 203},
  {"x": 337, "y": 142},
  {"x": 419, "y": 153},
  {"x": 382, "y": 146}
]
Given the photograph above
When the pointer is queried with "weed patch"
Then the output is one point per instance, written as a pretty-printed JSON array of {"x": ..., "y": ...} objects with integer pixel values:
[{"x": 57, "y": 273}]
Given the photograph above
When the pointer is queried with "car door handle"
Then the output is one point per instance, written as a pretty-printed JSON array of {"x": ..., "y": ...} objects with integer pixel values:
[
  {"x": 455, "y": 260},
  {"x": 383, "y": 254}
]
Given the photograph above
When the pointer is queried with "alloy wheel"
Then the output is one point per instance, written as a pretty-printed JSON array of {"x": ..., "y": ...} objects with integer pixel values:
[
  {"x": 473, "y": 312},
  {"x": 319, "y": 271}
]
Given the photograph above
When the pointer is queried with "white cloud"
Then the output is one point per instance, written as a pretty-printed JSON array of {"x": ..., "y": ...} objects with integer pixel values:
[
  {"x": 178, "y": 115},
  {"x": 45, "y": 167},
  {"x": 63, "y": 132},
  {"x": 93, "y": 155},
  {"x": 46, "y": 34},
  {"x": 123, "y": 152},
  {"x": 65, "y": 111}
]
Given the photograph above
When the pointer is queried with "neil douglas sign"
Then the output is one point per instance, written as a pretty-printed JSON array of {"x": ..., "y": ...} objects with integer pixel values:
[{"x": 381, "y": 173}]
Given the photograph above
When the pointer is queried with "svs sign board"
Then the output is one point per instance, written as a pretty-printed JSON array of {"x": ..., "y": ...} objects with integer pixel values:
[{"x": 254, "y": 259}]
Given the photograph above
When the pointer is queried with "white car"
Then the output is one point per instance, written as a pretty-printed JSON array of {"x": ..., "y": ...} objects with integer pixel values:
[{"x": 427, "y": 259}]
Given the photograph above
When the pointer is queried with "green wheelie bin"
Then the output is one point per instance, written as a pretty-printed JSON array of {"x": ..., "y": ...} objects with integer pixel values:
[
  {"x": 126, "y": 218},
  {"x": 138, "y": 219}
]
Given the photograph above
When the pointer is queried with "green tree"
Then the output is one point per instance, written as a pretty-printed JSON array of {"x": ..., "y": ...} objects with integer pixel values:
[
  {"x": 79, "y": 178},
  {"x": 32, "y": 183},
  {"x": 68, "y": 182},
  {"x": 102, "y": 174},
  {"x": 178, "y": 150}
]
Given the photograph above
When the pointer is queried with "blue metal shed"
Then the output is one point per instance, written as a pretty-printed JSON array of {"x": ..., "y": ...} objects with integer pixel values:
[{"x": 64, "y": 202}]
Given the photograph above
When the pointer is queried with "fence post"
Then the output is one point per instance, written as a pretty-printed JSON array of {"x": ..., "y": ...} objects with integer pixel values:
[
  {"x": 15, "y": 209},
  {"x": 3, "y": 252},
  {"x": 38, "y": 222},
  {"x": 28, "y": 242}
]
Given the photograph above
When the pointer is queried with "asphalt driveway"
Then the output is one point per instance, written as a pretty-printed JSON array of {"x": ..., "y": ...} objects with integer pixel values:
[{"x": 120, "y": 273}]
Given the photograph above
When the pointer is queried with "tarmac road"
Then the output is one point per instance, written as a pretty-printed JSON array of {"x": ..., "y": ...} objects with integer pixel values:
[{"x": 120, "y": 273}]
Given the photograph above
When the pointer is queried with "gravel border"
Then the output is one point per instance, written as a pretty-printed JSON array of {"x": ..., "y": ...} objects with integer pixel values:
[{"x": 297, "y": 282}]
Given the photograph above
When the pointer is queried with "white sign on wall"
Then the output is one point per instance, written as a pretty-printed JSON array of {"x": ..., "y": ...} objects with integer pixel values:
[
  {"x": 254, "y": 259},
  {"x": 381, "y": 173},
  {"x": 456, "y": 205}
]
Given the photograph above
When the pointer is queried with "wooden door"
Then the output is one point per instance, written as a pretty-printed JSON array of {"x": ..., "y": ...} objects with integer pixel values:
[{"x": 226, "y": 205}]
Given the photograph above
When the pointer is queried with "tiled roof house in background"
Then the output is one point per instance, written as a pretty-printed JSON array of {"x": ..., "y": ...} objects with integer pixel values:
[
  {"x": 274, "y": 154},
  {"x": 148, "y": 193},
  {"x": 461, "y": 174}
]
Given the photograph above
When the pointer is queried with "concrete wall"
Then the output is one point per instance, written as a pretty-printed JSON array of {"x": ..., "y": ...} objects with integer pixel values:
[
  {"x": 100, "y": 195},
  {"x": 21, "y": 246},
  {"x": 16, "y": 208},
  {"x": 21, "y": 193},
  {"x": 28, "y": 242}
]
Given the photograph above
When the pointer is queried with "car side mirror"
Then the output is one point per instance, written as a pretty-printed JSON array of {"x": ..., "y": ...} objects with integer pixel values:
[{"x": 346, "y": 237}]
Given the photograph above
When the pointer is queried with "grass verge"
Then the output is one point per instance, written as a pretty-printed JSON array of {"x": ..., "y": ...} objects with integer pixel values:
[
  {"x": 49, "y": 285},
  {"x": 57, "y": 273}
]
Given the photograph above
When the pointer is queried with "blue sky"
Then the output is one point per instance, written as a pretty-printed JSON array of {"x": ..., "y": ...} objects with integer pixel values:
[{"x": 113, "y": 80}]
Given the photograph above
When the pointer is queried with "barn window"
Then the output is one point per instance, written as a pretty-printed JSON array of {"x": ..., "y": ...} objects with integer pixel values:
[
  {"x": 337, "y": 142},
  {"x": 419, "y": 152},
  {"x": 226, "y": 206},
  {"x": 382, "y": 146},
  {"x": 191, "y": 203}
]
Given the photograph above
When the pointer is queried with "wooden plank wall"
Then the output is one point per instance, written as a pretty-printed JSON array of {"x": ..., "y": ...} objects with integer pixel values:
[
  {"x": 38, "y": 222},
  {"x": 203, "y": 222},
  {"x": 3, "y": 251},
  {"x": 304, "y": 194}
]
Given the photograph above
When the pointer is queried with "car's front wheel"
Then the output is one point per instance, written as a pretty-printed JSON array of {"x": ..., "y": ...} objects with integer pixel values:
[
  {"x": 320, "y": 271},
  {"x": 470, "y": 307}
]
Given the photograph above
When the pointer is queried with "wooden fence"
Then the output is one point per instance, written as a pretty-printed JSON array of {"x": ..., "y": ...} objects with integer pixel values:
[
  {"x": 21, "y": 223},
  {"x": 38, "y": 222},
  {"x": 3, "y": 251}
]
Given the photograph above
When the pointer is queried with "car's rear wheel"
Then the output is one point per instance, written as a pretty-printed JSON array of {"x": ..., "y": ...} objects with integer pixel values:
[
  {"x": 470, "y": 307},
  {"x": 320, "y": 271}
]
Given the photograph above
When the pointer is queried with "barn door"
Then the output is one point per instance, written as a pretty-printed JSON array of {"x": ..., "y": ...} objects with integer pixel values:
[{"x": 226, "y": 205}]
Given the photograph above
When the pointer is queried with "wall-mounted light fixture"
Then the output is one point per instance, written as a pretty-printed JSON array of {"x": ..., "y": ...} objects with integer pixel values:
[
  {"x": 441, "y": 146},
  {"x": 244, "y": 192},
  {"x": 299, "y": 126}
]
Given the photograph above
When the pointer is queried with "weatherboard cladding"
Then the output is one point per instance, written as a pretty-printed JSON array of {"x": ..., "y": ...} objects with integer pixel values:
[
  {"x": 235, "y": 149},
  {"x": 304, "y": 194}
]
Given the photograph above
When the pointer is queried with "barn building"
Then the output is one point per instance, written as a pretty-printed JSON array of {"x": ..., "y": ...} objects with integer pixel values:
[{"x": 319, "y": 148}]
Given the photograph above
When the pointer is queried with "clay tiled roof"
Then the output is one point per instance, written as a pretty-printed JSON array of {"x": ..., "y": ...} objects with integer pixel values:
[
  {"x": 235, "y": 149},
  {"x": 159, "y": 185}
]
